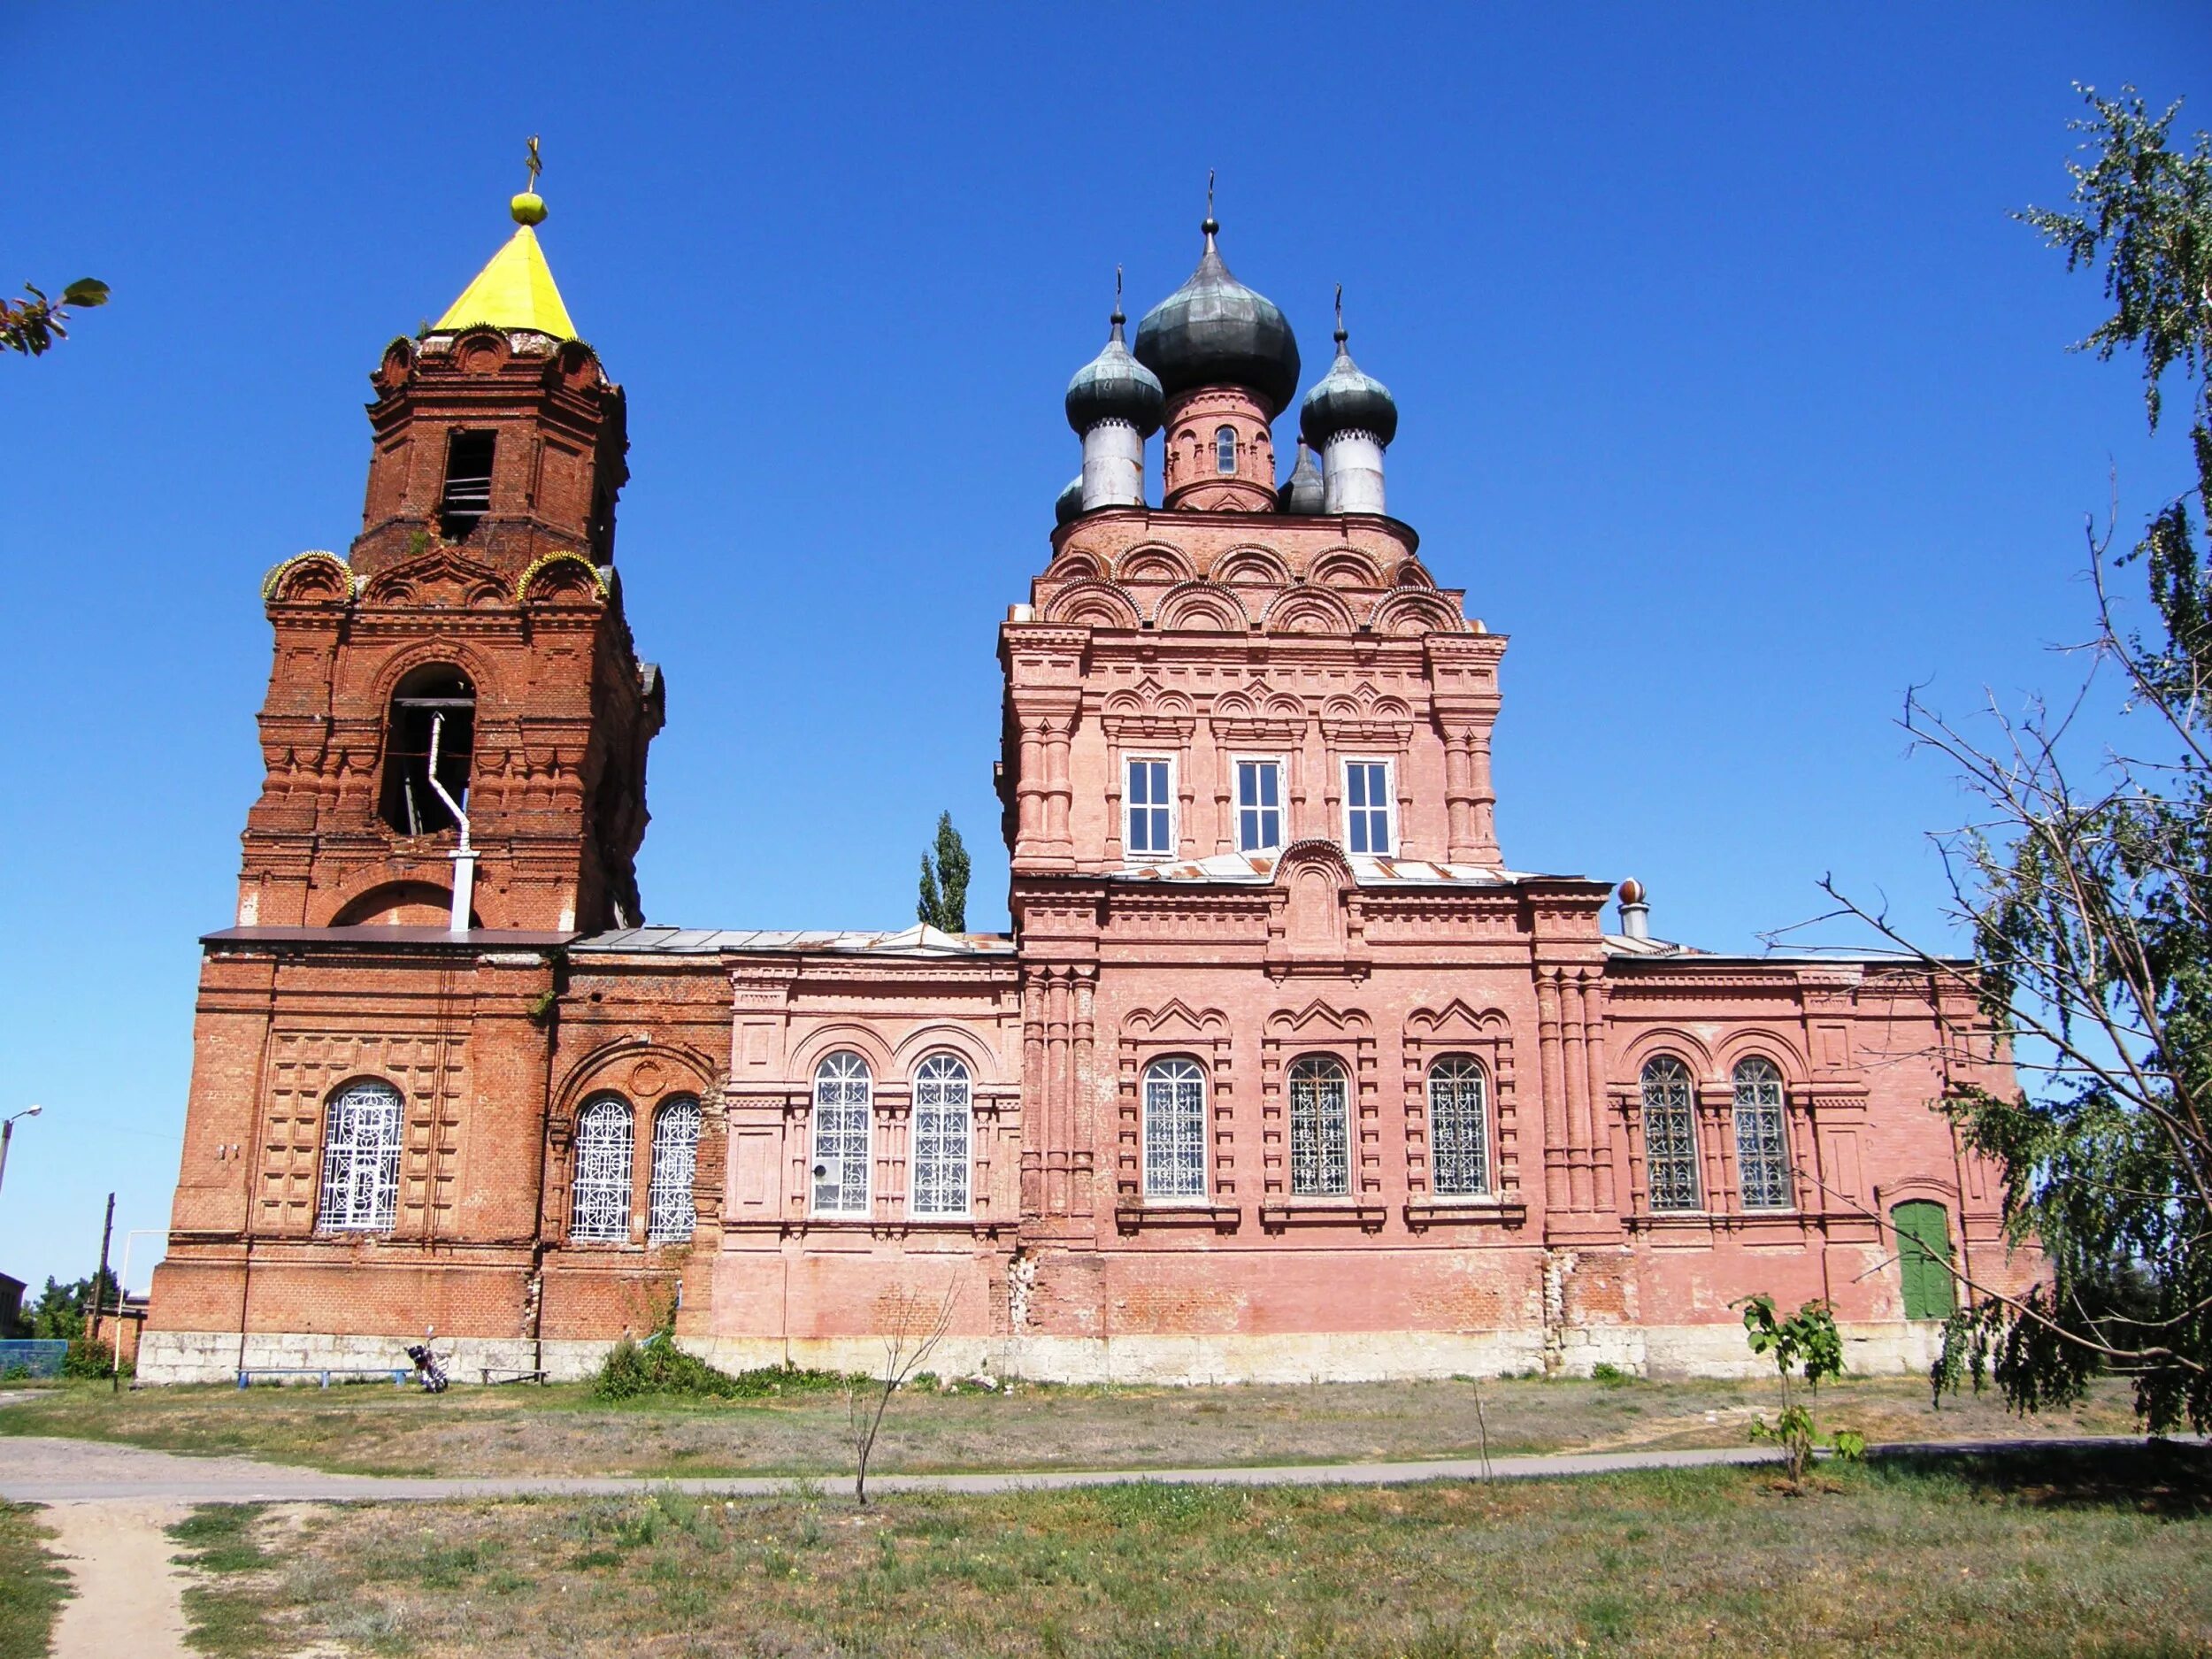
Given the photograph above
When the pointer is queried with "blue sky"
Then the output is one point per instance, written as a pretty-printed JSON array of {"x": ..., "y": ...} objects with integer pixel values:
[{"x": 1730, "y": 390}]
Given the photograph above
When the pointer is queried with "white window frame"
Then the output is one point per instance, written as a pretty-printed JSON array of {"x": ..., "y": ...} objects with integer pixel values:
[
  {"x": 818, "y": 1159},
  {"x": 1320, "y": 1127},
  {"x": 610, "y": 1221},
  {"x": 360, "y": 1184},
  {"x": 1130, "y": 808},
  {"x": 1667, "y": 1088},
  {"x": 1281, "y": 809},
  {"x": 1196, "y": 1073},
  {"x": 1453, "y": 1072},
  {"x": 1761, "y": 1076},
  {"x": 1229, "y": 432},
  {"x": 937, "y": 1071},
  {"x": 672, "y": 1210},
  {"x": 1388, "y": 808}
]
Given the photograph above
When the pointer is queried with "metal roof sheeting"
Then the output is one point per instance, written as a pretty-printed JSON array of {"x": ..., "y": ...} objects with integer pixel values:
[{"x": 918, "y": 941}]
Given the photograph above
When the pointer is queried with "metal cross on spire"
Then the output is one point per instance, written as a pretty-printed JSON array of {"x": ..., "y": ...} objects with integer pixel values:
[
  {"x": 1211, "y": 224},
  {"x": 535, "y": 166},
  {"x": 1117, "y": 319},
  {"x": 1339, "y": 314}
]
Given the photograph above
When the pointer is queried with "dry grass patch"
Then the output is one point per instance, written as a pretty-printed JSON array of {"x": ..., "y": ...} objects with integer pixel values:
[
  {"x": 2102, "y": 1554},
  {"x": 562, "y": 1430}
]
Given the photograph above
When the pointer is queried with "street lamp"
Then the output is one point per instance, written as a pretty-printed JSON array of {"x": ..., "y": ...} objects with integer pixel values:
[{"x": 7, "y": 1133}]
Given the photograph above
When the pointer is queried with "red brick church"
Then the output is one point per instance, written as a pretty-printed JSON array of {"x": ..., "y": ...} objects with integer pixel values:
[{"x": 1283, "y": 1072}]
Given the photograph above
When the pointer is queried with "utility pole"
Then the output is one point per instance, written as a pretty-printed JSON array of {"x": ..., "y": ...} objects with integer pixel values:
[{"x": 107, "y": 1232}]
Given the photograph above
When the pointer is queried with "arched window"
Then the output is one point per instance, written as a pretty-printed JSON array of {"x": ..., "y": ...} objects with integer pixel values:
[
  {"x": 943, "y": 1128},
  {"x": 670, "y": 1213},
  {"x": 1670, "y": 1134},
  {"x": 1459, "y": 1126},
  {"x": 600, "y": 1210},
  {"x": 1762, "y": 1159},
  {"x": 1226, "y": 450},
  {"x": 428, "y": 743},
  {"x": 1320, "y": 1128},
  {"x": 467, "y": 495},
  {"x": 843, "y": 1100},
  {"x": 360, "y": 1159},
  {"x": 1174, "y": 1130}
]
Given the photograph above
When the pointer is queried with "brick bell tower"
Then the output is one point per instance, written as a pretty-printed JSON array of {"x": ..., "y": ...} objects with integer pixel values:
[{"x": 456, "y": 722}]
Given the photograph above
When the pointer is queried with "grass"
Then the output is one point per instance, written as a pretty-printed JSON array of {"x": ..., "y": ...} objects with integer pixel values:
[
  {"x": 562, "y": 1430},
  {"x": 32, "y": 1585},
  {"x": 225, "y": 1615},
  {"x": 2100, "y": 1554}
]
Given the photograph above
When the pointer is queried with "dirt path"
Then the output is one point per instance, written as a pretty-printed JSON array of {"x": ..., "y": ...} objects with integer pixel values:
[
  {"x": 126, "y": 1596},
  {"x": 36, "y": 1470}
]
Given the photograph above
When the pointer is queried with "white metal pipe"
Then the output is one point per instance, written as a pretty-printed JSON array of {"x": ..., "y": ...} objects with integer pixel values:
[{"x": 465, "y": 855}]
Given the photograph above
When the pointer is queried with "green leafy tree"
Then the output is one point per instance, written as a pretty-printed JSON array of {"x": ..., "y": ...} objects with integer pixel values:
[
  {"x": 944, "y": 901},
  {"x": 2084, "y": 878},
  {"x": 1805, "y": 1345},
  {"x": 61, "y": 1311},
  {"x": 31, "y": 326}
]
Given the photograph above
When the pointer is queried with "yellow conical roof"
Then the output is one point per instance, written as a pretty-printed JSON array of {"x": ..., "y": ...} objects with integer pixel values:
[{"x": 515, "y": 290}]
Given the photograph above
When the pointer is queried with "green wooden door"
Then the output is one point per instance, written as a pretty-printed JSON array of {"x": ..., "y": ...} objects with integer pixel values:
[{"x": 1923, "y": 1257}]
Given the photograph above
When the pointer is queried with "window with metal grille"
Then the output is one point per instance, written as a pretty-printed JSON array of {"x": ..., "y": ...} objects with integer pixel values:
[
  {"x": 361, "y": 1131},
  {"x": 1762, "y": 1162},
  {"x": 599, "y": 1212},
  {"x": 1320, "y": 1129},
  {"x": 1367, "y": 806},
  {"x": 467, "y": 496},
  {"x": 1151, "y": 809},
  {"x": 429, "y": 740},
  {"x": 1174, "y": 1130},
  {"x": 844, "y": 1097},
  {"x": 943, "y": 1129},
  {"x": 1459, "y": 1126},
  {"x": 1670, "y": 1134},
  {"x": 669, "y": 1211},
  {"x": 1259, "y": 805},
  {"x": 1226, "y": 450}
]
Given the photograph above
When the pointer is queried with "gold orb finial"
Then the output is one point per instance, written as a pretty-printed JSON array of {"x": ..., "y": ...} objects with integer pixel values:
[{"x": 529, "y": 207}]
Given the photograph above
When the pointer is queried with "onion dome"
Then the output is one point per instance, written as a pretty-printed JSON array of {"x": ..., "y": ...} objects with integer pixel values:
[
  {"x": 1069, "y": 508},
  {"x": 1114, "y": 386},
  {"x": 1632, "y": 891},
  {"x": 1347, "y": 400},
  {"x": 1214, "y": 330},
  {"x": 1302, "y": 491}
]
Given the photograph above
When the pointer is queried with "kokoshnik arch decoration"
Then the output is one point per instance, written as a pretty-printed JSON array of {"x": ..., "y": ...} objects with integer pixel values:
[{"x": 1285, "y": 1070}]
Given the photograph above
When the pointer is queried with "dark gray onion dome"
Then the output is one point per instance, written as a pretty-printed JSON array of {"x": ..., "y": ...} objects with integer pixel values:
[
  {"x": 1069, "y": 508},
  {"x": 1302, "y": 491},
  {"x": 1346, "y": 400},
  {"x": 1214, "y": 330},
  {"x": 1114, "y": 386}
]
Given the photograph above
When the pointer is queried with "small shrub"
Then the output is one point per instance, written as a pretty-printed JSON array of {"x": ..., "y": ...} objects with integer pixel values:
[
  {"x": 657, "y": 1368},
  {"x": 1609, "y": 1374},
  {"x": 88, "y": 1359}
]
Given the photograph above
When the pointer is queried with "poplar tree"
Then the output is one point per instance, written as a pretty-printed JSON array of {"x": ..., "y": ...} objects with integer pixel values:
[{"x": 944, "y": 901}]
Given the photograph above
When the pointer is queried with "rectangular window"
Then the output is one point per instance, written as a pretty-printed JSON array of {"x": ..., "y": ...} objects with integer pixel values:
[
  {"x": 1150, "y": 805},
  {"x": 1367, "y": 807},
  {"x": 467, "y": 496},
  {"x": 1259, "y": 805}
]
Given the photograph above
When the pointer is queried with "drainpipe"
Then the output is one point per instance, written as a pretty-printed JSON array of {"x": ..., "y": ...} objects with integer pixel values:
[{"x": 463, "y": 856}]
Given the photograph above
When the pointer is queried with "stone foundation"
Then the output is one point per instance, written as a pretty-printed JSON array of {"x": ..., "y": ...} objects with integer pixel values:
[{"x": 1876, "y": 1348}]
